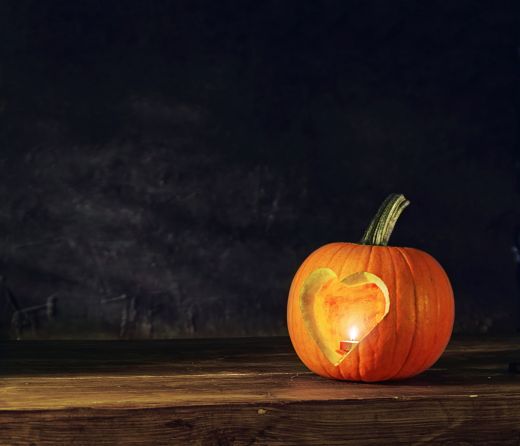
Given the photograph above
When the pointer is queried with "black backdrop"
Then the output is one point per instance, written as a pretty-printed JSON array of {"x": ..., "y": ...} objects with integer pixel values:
[{"x": 183, "y": 157}]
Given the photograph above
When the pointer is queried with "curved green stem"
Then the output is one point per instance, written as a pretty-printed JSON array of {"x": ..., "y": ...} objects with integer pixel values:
[{"x": 381, "y": 227}]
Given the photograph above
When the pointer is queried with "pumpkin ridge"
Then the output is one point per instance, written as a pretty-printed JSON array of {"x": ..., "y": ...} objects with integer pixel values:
[
  {"x": 358, "y": 356},
  {"x": 370, "y": 255},
  {"x": 341, "y": 273},
  {"x": 435, "y": 292},
  {"x": 405, "y": 362},
  {"x": 433, "y": 265},
  {"x": 393, "y": 302},
  {"x": 330, "y": 262},
  {"x": 430, "y": 326},
  {"x": 396, "y": 306}
]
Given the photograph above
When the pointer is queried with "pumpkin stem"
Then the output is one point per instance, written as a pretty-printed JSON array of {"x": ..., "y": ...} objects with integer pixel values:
[{"x": 381, "y": 227}]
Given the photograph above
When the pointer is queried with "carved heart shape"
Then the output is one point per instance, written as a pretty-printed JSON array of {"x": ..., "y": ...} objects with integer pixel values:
[{"x": 331, "y": 307}]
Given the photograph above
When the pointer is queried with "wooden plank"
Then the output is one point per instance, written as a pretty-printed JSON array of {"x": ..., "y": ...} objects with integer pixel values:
[
  {"x": 438, "y": 421},
  {"x": 247, "y": 391}
]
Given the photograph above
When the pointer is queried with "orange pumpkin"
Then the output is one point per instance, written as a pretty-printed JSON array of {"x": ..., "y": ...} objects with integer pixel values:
[{"x": 370, "y": 312}]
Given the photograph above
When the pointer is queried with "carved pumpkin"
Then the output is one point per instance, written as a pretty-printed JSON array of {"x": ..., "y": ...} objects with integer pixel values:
[{"x": 370, "y": 312}]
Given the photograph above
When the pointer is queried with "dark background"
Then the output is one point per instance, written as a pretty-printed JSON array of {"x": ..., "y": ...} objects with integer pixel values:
[{"x": 186, "y": 156}]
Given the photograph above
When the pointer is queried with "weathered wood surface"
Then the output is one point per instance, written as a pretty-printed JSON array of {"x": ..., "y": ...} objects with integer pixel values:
[{"x": 247, "y": 391}]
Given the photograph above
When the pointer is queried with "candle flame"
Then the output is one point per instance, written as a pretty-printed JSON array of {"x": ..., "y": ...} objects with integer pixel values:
[{"x": 353, "y": 333}]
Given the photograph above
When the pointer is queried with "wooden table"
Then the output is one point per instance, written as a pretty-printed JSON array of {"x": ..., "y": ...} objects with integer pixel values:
[{"x": 247, "y": 392}]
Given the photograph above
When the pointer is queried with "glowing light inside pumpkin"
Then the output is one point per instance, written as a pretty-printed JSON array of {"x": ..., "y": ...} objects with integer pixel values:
[
  {"x": 346, "y": 346},
  {"x": 353, "y": 333}
]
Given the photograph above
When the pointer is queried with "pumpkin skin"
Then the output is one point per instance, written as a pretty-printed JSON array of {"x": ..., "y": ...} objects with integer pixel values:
[{"x": 412, "y": 335}]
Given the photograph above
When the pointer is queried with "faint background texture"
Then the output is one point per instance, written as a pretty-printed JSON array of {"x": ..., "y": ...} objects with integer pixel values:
[{"x": 167, "y": 165}]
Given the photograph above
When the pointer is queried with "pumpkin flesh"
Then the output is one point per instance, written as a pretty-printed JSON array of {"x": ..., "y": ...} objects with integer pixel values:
[{"x": 333, "y": 309}]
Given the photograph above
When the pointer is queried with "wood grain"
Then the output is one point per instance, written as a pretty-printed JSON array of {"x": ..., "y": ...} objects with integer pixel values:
[{"x": 247, "y": 391}]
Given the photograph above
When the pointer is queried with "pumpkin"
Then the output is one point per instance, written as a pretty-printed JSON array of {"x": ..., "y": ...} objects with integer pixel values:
[{"x": 368, "y": 311}]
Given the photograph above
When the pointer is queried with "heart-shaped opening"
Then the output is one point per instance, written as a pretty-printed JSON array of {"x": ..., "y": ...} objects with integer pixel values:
[{"x": 339, "y": 314}]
